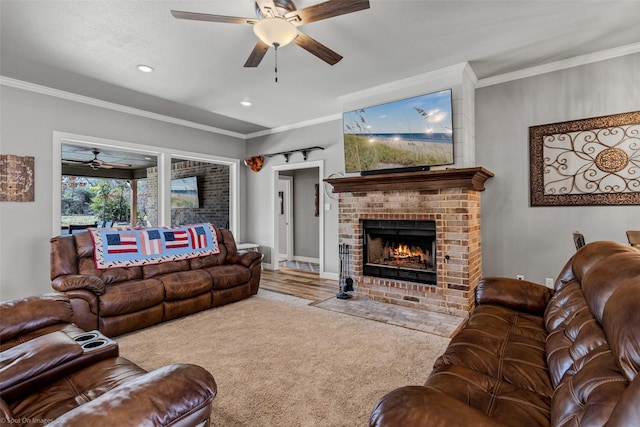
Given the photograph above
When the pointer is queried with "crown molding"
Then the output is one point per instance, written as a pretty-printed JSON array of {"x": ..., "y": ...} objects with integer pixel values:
[
  {"x": 45, "y": 90},
  {"x": 441, "y": 75},
  {"x": 561, "y": 65},
  {"x": 319, "y": 120}
]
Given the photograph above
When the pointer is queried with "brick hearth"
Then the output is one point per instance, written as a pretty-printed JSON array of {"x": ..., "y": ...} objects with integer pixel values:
[{"x": 449, "y": 197}]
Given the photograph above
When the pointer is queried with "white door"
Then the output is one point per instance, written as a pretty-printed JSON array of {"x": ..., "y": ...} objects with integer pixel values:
[{"x": 284, "y": 207}]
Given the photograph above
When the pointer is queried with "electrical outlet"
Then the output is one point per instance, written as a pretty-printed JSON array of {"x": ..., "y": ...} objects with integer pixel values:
[
  {"x": 549, "y": 282},
  {"x": 519, "y": 276}
]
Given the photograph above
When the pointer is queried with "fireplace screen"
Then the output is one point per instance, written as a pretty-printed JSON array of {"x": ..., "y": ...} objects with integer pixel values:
[{"x": 402, "y": 250}]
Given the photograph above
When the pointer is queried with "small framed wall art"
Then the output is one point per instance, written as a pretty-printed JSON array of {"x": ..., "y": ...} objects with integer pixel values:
[
  {"x": 592, "y": 161},
  {"x": 16, "y": 178}
]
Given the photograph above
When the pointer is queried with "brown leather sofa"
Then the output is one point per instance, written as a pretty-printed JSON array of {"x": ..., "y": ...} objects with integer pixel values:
[
  {"x": 123, "y": 299},
  {"x": 54, "y": 373},
  {"x": 533, "y": 356}
]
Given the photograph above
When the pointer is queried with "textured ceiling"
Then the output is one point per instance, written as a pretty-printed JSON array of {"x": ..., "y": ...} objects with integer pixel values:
[{"x": 92, "y": 48}]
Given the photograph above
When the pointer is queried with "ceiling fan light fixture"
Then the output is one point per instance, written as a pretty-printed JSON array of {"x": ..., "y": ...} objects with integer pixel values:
[{"x": 275, "y": 31}]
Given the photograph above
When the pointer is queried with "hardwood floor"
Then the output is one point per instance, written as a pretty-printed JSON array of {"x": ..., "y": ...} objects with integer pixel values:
[{"x": 299, "y": 284}]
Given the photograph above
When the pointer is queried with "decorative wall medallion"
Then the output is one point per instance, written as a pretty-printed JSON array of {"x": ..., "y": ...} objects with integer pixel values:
[
  {"x": 16, "y": 178},
  {"x": 586, "y": 162}
]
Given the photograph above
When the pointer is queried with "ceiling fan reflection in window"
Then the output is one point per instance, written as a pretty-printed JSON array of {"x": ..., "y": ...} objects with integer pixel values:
[
  {"x": 278, "y": 22},
  {"x": 96, "y": 163}
]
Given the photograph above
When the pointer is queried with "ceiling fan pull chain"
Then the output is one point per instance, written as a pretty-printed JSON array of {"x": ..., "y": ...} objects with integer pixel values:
[{"x": 275, "y": 45}]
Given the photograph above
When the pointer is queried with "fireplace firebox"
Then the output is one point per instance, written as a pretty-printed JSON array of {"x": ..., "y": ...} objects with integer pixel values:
[{"x": 400, "y": 250}]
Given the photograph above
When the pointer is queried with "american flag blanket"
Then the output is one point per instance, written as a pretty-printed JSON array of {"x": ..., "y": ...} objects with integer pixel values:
[{"x": 129, "y": 247}]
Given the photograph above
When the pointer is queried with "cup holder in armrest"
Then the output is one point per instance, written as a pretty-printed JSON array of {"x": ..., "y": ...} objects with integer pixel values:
[
  {"x": 86, "y": 337},
  {"x": 91, "y": 345},
  {"x": 93, "y": 340}
]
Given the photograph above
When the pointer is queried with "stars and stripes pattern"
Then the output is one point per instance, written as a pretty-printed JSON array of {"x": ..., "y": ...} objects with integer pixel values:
[
  {"x": 121, "y": 243},
  {"x": 144, "y": 246},
  {"x": 151, "y": 242},
  {"x": 176, "y": 239},
  {"x": 198, "y": 237}
]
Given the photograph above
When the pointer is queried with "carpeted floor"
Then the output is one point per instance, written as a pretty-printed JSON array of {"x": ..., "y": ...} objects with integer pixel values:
[{"x": 280, "y": 362}]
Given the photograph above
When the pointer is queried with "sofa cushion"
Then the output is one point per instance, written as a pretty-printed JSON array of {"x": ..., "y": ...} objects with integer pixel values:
[
  {"x": 209, "y": 260},
  {"x": 153, "y": 270},
  {"x": 121, "y": 298},
  {"x": 505, "y": 344},
  {"x": 185, "y": 284},
  {"x": 53, "y": 401},
  {"x": 508, "y": 404},
  {"x": 589, "y": 390},
  {"x": 228, "y": 276},
  {"x": 573, "y": 331}
]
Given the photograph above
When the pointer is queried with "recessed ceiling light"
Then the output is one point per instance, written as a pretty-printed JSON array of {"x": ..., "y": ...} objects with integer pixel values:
[
  {"x": 246, "y": 103},
  {"x": 145, "y": 68}
]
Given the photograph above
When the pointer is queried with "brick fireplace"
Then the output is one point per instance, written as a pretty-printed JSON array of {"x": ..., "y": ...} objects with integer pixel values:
[{"x": 451, "y": 199}]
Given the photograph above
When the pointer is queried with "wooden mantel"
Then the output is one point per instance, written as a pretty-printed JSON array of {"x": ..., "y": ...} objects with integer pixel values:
[{"x": 470, "y": 178}]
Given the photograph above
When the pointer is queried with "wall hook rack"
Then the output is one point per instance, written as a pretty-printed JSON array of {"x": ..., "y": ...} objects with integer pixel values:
[{"x": 305, "y": 152}]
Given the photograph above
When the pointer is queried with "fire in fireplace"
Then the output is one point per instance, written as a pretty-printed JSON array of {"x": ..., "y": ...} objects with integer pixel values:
[{"x": 401, "y": 250}]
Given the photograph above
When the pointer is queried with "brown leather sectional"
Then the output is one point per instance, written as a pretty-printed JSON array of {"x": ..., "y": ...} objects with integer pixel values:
[
  {"x": 54, "y": 373},
  {"x": 119, "y": 300},
  {"x": 533, "y": 356}
]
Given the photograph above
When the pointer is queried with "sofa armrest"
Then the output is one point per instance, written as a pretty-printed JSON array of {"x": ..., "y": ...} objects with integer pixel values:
[
  {"x": 171, "y": 395},
  {"x": 247, "y": 259},
  {"x": 71, "y": 282},
  {"x": 419, "y": 406},
  {"x": 520, "y": 295}
]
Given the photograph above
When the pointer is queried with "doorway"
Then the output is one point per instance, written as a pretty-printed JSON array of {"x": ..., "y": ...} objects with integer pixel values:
[
  {"x": 284, "y": 215},
  {"x": 298, "y": 219}
]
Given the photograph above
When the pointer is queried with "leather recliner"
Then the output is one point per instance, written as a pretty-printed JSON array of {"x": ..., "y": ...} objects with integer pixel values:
[
  {"x": 530, "y": 356},
  {"x": 49, "y": 374}
]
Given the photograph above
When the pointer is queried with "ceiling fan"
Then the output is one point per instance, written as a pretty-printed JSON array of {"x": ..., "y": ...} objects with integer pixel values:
[
  {"x": 96, "y": 163},
  {"x": 278, "y": 22}
]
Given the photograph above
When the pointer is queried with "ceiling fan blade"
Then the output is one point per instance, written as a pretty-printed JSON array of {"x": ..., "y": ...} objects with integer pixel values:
[
  {"x": 114, "y": 165},
  {"x": 211, "y": 18},
  {"x": 325, "y": 10},
  {"x": 74, "y": 161},
  {"x": 257, "y": 54},
  {"x": 316, "y": 48}
]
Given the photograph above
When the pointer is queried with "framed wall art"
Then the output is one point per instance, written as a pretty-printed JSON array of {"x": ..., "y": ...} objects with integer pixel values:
[
  {"x": 592, "y": 161},
  {"x": 16, "y": 178}
]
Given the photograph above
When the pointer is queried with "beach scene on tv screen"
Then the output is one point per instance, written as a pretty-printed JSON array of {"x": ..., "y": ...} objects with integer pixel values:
[{"x": 411, "y": 132}]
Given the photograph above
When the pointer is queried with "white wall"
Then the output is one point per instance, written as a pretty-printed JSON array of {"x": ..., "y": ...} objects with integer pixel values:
[
  {"x": 27, "y": 123},
  {"x": 537, "y": 241}
]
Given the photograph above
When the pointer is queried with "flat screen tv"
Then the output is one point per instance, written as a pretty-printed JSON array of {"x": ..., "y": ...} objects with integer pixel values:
[
  {"x": 409, "y": 134},
  {"x": 184, "y": 192}
]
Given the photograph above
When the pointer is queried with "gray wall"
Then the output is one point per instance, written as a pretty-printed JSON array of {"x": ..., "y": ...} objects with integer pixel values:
[
  {"x": 260, "y": 186},
  {"x": 536, "y": 241},
  {"x": 305, "y": 223},
  {"x": 517, "y": 239},
  {"x": 27, "y": 123}
]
